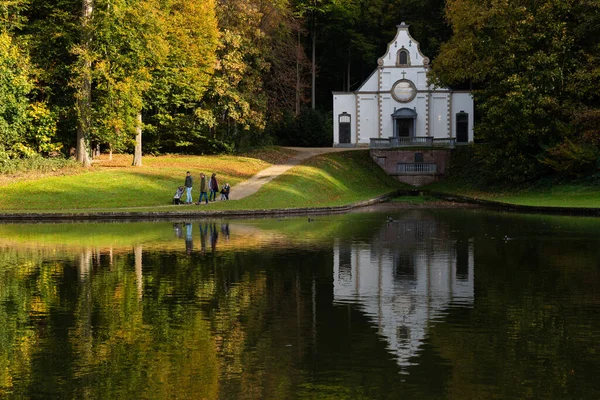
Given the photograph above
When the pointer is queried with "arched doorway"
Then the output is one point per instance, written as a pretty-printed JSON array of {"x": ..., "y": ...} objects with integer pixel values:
[{"x": 345, "y": 130}]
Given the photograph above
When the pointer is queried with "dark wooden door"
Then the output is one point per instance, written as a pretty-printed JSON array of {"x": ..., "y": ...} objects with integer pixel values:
[
  {"x": 344, "y": 132},
  {"x": 462, "y": 128}
]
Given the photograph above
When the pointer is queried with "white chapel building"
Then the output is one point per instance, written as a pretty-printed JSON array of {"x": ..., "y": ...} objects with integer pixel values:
[{"x": 396, "y": 101}]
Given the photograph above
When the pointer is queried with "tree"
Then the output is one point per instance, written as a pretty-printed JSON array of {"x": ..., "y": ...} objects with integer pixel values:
[
  {"x": 524, "y": 60},
  {"x": 130, "y": 43},
  {"x": 313, "y": 11},
  {"x": 15, "y": 86},
  {"x": 175, "y": 99},
  {"x": 84, "y": 84}
]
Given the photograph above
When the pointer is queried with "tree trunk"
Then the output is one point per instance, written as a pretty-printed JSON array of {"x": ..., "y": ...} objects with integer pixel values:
[
  {"x": 137, "y": 155},
  {"x": 314, "y": 68},
  {"x": 298, "y": 50},
  {"x": 84, "y": 98},
  {"x": 348, "y": 77}
]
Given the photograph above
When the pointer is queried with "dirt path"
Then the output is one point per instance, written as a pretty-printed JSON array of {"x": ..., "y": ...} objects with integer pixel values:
[{"x": 251, "y": 186}]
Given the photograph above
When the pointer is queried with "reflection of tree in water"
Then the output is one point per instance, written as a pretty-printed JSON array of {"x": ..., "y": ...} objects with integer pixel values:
[
  {"x": 148, "y": 324},
  {"x": 102, "y": 324}
]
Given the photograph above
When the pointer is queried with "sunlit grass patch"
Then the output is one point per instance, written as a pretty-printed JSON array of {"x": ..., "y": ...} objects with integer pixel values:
[
  {"x": 326, "y": 180},
  {"x": 115, "y": 183}
]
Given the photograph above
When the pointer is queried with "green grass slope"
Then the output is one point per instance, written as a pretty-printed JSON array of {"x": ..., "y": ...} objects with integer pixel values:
[
  {"x": 328, "y": 180},
  {"x": 464, "y": 180}
]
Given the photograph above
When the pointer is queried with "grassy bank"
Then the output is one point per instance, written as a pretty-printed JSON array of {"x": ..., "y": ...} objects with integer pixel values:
[
  {"x": 328, "y": 180},
  {"x": 560, "y": 195},
  {"x": 464, "y": 180}
]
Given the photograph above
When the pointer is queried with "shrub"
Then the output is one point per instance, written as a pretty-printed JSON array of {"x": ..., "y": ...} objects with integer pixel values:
[
  {"x": 35, "y": 163},
  {"x": 310, "y": 128},
  {"x": 572, "y": 159}
]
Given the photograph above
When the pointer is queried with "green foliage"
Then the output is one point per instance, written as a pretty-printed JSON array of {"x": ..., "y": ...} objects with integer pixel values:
[
  {"x": 180, "y": 80},
  {"x": 12, "y": 14},
  {"x": 525, "y": 61},
  {"x": 15, "y": 85},
  {"x": 310, "y": 128},
  {"x": 572, "y": 159},
  {"x": 42, "y": 129}
]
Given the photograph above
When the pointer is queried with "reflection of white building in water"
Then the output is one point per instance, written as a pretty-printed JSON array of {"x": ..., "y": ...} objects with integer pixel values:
[{"x": 409, "y": 275}]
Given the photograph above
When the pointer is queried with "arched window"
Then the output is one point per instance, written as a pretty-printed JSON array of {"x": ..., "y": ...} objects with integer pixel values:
[
  {"x": 344, "y": 120},
  {"x": 403, "y": 57}
]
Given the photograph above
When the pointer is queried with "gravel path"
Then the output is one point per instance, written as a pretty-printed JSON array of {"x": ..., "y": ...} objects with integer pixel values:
[{"x": 251, "y": 186}]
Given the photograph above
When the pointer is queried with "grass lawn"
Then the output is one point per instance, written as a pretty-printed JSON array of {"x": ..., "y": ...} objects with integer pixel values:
[
  {"x": 328, "y": 180},
  {"x": 558, "y": 195},
  {"x": 115, "y": 184}
]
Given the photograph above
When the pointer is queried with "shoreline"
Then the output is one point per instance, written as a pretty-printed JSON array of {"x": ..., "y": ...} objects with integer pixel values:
[
  {"x": 178, "y": 215},
  {"x": 447, "y": 201}
]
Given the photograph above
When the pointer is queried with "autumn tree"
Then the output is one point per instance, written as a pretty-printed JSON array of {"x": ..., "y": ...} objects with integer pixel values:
[
  {"x": 130, "y": 43},
  {"x": 27, "y": 126},
  {"x": 177, "y": 114},
  {"x": 528, "y": 63}
]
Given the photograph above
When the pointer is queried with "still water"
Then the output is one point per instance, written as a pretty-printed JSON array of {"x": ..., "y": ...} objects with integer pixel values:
[{"x": 404, "y": 304}]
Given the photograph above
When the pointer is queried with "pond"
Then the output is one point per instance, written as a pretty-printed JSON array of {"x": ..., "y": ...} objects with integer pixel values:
[{"x": 385, "y": 304}]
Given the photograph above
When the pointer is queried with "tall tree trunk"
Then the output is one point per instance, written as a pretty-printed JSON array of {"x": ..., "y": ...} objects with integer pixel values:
[
  {"x": 314, "y": 67},
  {"x": 137, "y": 155},
  {"x": 298, "y": 50},
  {"x": 84, "y": 98},
  {"x": 348, "y": 77}
]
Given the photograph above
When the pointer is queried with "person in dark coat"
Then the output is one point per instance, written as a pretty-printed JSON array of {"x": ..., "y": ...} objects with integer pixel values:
[
  {"x": 188, "y": 188},
  {"x": 213, "y": 186},
  {"x": 203, "y": 189}
]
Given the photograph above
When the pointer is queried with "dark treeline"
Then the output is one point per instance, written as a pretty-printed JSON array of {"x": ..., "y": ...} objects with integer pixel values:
[{"x": 207, "y": 76}]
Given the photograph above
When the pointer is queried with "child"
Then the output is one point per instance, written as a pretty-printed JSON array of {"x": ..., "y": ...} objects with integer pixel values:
[
  {"x": 225, "y": 192},
  {"x": 178, "y": 194}
]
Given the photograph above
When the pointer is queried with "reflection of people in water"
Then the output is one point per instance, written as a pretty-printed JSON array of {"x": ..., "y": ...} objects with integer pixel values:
[
  {"x": 189, "y": 244},
  {"x": 178, "y": 231},
  {"x": 203, "y": 230},
  {"x": 225, "y": 230},
  {"x": 214, "y": 236}
]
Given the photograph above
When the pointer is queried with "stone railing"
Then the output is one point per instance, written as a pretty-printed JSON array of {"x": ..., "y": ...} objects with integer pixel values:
[
  {"x": 417, "y": 169},
  {"x": 416, "y": 141}
]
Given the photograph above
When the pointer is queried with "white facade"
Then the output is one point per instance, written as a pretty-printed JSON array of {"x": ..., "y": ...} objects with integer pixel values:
[{"x": 396, "y": 100}]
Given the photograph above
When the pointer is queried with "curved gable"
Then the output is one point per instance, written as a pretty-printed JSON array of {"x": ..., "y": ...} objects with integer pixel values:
[{"x": 403, "y": 42}]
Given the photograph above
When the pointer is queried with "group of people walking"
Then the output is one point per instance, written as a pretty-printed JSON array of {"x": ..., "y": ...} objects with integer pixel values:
[{"x": 208, "y": 189}]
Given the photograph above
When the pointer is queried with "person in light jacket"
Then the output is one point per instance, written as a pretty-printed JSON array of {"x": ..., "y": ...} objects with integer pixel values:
[{"x": 213, "y": 186}]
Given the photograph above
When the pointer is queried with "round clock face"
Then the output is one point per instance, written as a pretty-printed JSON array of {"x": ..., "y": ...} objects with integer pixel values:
[{"x": 404, "y": 91}]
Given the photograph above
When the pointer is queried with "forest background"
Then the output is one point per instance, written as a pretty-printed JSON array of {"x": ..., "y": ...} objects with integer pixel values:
[{"x": 212, "y": 76}]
